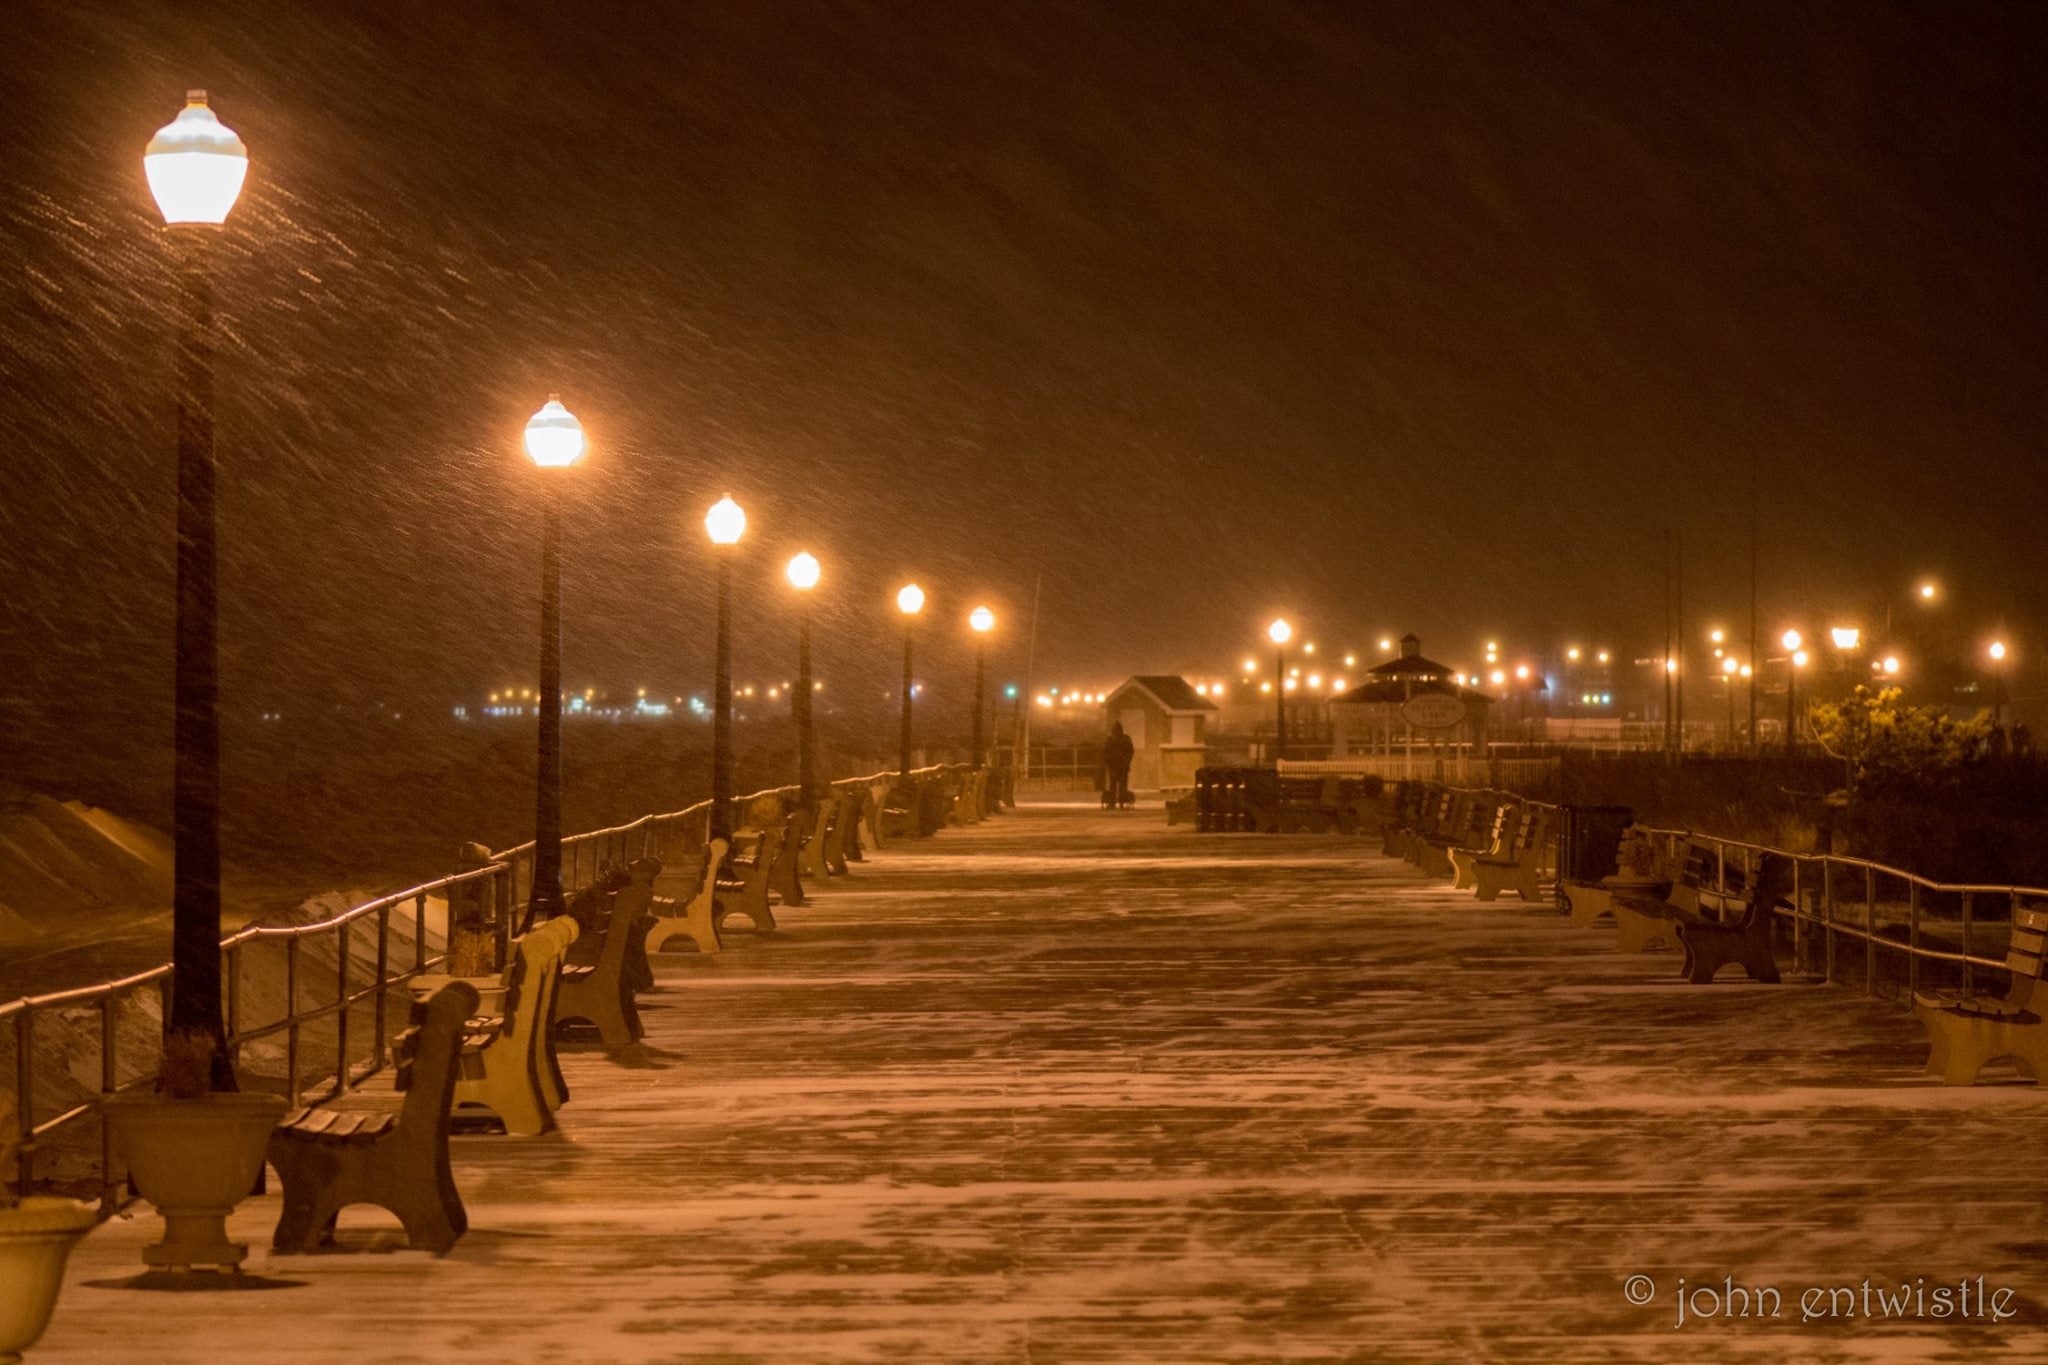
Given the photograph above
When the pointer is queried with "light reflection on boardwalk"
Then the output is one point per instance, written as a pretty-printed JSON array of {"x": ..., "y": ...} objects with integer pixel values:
[{"x": 1070, "y": 1087}]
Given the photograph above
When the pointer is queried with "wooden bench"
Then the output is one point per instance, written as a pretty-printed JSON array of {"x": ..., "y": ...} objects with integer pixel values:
[
  {"x": 854, "y": 815},
  {"x": 1472, "y": 815},
  {"x": 1433, "y": 815},
  {"x": 896, "y": 811},
  {"x": 374, "y": 1147},
  {"x": 1519, "y": 867},
  {"x": 1181, "y": 806},
  {"x": 601, "y": 993},
  {"x": 785, "y": 876},
  {"x": 811, "y": 831},
  {"x": 877, "y": 805},
  {"x": 1498, "y": 842},
  {"x": 842, "y": 836},
  {"x": 1743, "y": 938},
  {"x": 1965, "y": 1033},
  {"x": 689, "y": 910},
  {"x": 508, "y": 1064},
  {"x": 1643, "y": 920},
  {"x": 747, "y": 893},
  {"x": 1401, "y": 818}
]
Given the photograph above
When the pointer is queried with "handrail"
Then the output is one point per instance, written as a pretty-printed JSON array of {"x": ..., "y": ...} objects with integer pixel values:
[
  {"x": 1816, "y": 902},
  {"x": 498, "y": 875}
]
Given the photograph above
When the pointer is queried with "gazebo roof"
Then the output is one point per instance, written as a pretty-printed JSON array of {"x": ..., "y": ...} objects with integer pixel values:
[{"x": 1171, "y": 691}]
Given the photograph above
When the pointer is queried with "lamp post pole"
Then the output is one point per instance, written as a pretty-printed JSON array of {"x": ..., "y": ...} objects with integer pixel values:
[
  {"x": 803, "y": 576},
  {"x": 554, "y": 440},
  {"x": 195, "y": 167},
  {"x": 1279, "y": 633},
  {"x": 909, "y": 601},
  {"x": 195, "y": 893},
  {"x": 982, "y": 621},
  {"x": 725, "y": 522},
  {"x": 545, "y": 900}
]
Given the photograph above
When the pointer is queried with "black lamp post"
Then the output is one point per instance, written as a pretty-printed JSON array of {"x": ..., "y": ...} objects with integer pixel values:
[
  {"x": 195, "y": 168},
  {"x": 726, "y": 523},
  {"x": 982, "y": 620},
  {"x": 554, "y": 440},
  {"x": 1795, "y": 659},
  {"x": 803, "y": 576},
  {"x": 909, "y": 601},
  {"x": 1279, "y": 633}
]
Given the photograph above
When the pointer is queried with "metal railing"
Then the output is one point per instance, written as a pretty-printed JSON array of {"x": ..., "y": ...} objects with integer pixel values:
[
  {"x": 307, "y": 1018},
  {"x": 1837, "y": 899}
]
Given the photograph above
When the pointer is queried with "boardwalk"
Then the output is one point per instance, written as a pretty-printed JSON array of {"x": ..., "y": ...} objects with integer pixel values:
[{"x": 1074, "y": 1087}]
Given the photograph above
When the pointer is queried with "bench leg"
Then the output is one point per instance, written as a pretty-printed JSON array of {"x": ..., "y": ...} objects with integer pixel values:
[
  {"x": 1636, "y": 933},
  {"x": 1960, "y": 1045},
  {"x": 695, "y": 923},
  {"x": 1464, "y": 869},
  {"x": 307, "y": 1177}
]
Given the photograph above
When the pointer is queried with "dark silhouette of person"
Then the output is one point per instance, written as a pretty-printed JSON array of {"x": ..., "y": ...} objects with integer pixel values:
[{"x": 1117, "y": 752}]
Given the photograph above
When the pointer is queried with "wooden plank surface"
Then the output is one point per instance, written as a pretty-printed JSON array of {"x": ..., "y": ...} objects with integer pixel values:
[{"x": 1074, "y": 1086}]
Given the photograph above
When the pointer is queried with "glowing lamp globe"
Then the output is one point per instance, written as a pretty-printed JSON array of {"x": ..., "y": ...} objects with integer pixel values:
[
  {"x": 1845, "y": 637},
  {"x": 1728, "y": 665},
  {"x": 1998, "y": 649},
  {"x": 982, "y": 619},
  {"x": 1280, "y": 632},
  {"x": 1792, "y": 639},
  {"x": 803, "y": 571},
  {"x": 554, "y": 438},
  {"x": 195, "y": 165},
  {"x": 725, "y": 522},
  {"x": 1799, "y": 658},
  {"x": 910, "y": 601}
]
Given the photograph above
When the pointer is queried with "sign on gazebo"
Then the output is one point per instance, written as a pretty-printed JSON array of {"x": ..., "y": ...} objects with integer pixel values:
[{"x": 1433, "y": 711}]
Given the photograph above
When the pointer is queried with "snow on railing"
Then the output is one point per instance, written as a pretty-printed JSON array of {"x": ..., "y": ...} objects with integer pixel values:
[{"x": 363, "y": 969}]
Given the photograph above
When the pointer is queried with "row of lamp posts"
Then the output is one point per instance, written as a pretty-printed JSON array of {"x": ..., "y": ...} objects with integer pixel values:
[{"x": 196, "y": 166}]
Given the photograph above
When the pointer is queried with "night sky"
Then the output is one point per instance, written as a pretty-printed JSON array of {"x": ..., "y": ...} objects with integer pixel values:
[{"x": 1390, "y": 317}]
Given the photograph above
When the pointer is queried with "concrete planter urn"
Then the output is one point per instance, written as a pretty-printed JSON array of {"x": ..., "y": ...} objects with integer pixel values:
[
  {"x": 36, "y": 1237},
  {"x": 195, "y": 1159}
]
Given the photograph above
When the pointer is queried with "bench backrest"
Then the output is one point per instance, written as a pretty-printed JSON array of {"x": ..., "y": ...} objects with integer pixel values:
[
  {"x": 427, "y": 1053},
  {"x": 2025, "y": 951},
  {"x": 531, "y": 995},
  {"x": 629, "y": 903},
  {"x": 1508, "y": 823}
]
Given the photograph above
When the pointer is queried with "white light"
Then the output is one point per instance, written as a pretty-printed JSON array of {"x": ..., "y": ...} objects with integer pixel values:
[
  {"x": 803, "y": 571},
  {"x": 1799, "y": 658},
  {"x": 1351, "y": 661},
  {"x": 1499, "y": 677},
  {"x": 1998, "y": 649},
  {"x": 1728, "y": 665},
  {"x": 1522, "y": 671},
  {"x": 1251, "y": 665},
  {"x": 1309, "y": 648},
  {"x": 1792, "y": 639},
  {"x": 1201, "y": 689},
  {"x": 1290, "y": 684},
  {"x": 1572, "y": 654},
  {"x": 910, "y": 601},
  {"x": 1605, "y": 656},
  {"x": 1386, "y": 646},
  {"x": 725, "y": 522},
  {"x": 1671, "y": 665},
  {"x": 1336, "y": 684},
  {"x": 1845, "y": 637},
  {"x": 1717, "y": 636},
  {"x": 1891, "y": 663},
  {"x": 554, "y": 438},
  {"x": 1927, "y": 592},
  {"x": 1745, "y": 670},
  {"x": 982, "y": 619},
  {"x": 1280, "y": 632},
  {"x": 195, "y": 165}
]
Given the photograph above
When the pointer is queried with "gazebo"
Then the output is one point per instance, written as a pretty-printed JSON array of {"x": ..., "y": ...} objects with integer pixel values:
[{"x": 1409, "y": 700}]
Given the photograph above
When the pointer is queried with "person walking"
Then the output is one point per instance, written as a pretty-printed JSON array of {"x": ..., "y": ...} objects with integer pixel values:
[{"x": 1117, "y": 753}]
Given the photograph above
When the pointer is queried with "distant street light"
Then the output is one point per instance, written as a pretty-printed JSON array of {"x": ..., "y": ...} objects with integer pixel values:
[
  {"x": 195, "y": 167},
  {"x": 803, "y": 576},
  {"x": 1845, "y": 637},
  {"x": 1997, "y": 652},
  {"x": 1792, "y": 667},
  {"x": 909, "y": 601},
  {"x": 1279, "y": 633},
  {"x": 554, "y": 440},
  {"x": 725, "y": 523},
  {"x": 982, "y": 621},
  {"x": 1792, "y": 639}
]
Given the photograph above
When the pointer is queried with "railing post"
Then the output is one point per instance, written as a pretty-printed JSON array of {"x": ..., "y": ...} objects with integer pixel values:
[
  {"x": 383, "y": 982},
  {"x": 234, "y": 976},
  {"x": 110, "y": 1077},
  {"x": 1827, "y": 891},
  {"x": 1967, "y": 964},
  {"x": 25, "y": 1107},
  {"x": 419, "y": 933},
  {"x": 291, "y": 1018},
  {"x": 1912, "y": 939},
  {"x": 341, "y": 1010},
  {"x": 1869, "y": 931}
]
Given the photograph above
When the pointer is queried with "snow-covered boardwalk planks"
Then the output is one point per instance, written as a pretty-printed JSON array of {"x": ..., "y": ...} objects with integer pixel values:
[{"x": 1069, "y": 1086}]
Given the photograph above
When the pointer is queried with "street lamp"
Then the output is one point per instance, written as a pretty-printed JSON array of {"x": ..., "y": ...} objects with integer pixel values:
[
  {"x": 195, "y": 166},
  {"x": 909, "y": 601},
  {"x": 554, "y": 440},
  {"x": 1793, "y": 663},
  {"x": 1728, "y": 670},
  {"x": 803, "y": 574},
  {"x": 725, "y": 523},
  {"x": 1997, "y": 653},
  {"x": 1279, "y": 633},
  {"x": 982, "y": 620}
]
